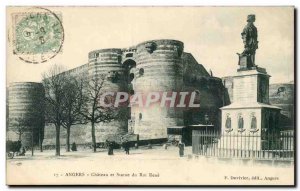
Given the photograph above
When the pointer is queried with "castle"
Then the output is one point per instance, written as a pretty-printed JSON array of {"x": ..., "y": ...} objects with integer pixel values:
[{"x": 156, "y": 65}]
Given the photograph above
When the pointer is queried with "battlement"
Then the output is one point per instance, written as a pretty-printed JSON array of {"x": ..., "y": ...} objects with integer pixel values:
[{"x": 103, "y": 52}]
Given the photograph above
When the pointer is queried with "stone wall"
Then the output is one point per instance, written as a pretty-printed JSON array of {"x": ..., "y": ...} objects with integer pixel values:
[
  {"x": 228, "y": 89},
  {"x": 209, "y": 89}
]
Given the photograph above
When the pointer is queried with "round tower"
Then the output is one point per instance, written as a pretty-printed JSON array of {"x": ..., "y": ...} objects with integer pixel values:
[
  {"x": 158, "y": 69},
  {"x": 107, "y": 63},
  {"x": 26, "y": 112}
]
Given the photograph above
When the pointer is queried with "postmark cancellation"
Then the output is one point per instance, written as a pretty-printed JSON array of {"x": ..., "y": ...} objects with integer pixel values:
[{"x": 37, "y": 34}]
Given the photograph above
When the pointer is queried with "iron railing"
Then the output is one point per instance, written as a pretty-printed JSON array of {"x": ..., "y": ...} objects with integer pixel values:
[{"x": 251, "y": 145}]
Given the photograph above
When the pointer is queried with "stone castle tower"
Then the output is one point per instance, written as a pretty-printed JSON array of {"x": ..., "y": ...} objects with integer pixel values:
[
  {"x": 163, "y": 66},
  {"x": 156, "y": 65}
]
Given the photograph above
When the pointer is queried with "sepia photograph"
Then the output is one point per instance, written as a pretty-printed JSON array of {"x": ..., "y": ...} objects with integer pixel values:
[{"x": 156, "y": 96}]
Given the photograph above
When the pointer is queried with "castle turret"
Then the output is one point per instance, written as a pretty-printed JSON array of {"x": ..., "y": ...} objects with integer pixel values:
[
  {"x": 158, "y": 69},
  {"x": 26, "y": 112},
  {"x": 107, "y": 62}
]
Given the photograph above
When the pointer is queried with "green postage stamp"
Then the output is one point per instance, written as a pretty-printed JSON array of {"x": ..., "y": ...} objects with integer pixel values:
[{"x": 38, "y": 35}]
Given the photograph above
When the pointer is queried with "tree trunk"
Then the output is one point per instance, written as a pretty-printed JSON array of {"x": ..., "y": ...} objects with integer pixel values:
[
  {"x": 32, "y": 142},
  {"x": 57, "y": 143},
  {"x": 68, "y": 139},
  {"x": 20, "y": 136},
  {"x": 93, "y": 137},
  {"x": 40, "y": 141}
]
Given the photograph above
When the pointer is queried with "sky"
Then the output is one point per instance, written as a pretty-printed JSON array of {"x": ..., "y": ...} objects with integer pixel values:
[{"x": 210, "y": 34}]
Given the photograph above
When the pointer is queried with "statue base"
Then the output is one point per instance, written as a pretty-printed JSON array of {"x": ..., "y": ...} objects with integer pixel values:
[
  {"x": 246, "y": 63},
  {"x": 250, "y": 104}
]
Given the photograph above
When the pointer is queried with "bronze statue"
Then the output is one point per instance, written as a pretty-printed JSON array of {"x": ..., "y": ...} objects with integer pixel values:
[{"x": 249, "y": 36}]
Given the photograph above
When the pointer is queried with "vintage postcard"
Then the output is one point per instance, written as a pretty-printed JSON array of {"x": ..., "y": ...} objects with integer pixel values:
[{"x": 150, "y": 96}]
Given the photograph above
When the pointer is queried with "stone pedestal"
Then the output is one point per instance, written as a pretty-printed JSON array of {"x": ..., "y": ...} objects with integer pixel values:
[
  {"x": 251, "y": 86},
  {"x": 244, "y": 62},
  {"x": 247, "y": 62},
  {"x": 250, "y": 111}
]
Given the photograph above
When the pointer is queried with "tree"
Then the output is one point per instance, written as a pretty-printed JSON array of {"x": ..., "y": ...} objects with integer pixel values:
[
  {"x": 20, "y": 126},
  {"x": 55, "y": 93},
  {"x": 38, "y": 116},
  {"x": 73, "y": 102},
  {"x": 92, "y": 110},
  {"x": 24, "y": 125}
]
